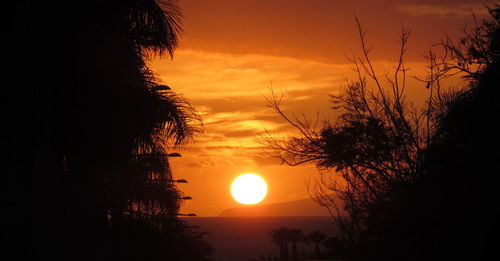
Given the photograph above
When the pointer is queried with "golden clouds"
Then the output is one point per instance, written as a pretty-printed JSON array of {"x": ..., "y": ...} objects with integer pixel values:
[{"x": 230, "y": 90}]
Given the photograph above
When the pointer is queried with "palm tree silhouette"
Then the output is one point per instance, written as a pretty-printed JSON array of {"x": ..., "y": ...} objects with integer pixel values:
[
  {"x": 317, "y": 237},
  {"x": 103, "y": 125},
  {"x": 295, "y": 235},
  {"x": 281, "y": 237}
]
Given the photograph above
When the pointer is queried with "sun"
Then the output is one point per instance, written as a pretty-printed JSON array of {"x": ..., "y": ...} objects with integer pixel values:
[{"x": 249, "y": 189}]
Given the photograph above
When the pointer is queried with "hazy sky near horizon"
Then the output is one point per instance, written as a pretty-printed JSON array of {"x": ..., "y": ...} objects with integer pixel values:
[{"x": 232, "y": 52}]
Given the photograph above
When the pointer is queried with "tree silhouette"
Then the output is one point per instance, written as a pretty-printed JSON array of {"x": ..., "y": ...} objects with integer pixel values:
[
  {"x": 335, "y": 248},
  {"x": 317, "y": 237},
  {"x": 374, "y": 146},
  {"x": 281, "y": 237},
  {"x": 295, "y": 235},
  {"x": 398, "y": 174},
  {"x": 93, "y": 137},
  {"x": 458, "y": 159}
]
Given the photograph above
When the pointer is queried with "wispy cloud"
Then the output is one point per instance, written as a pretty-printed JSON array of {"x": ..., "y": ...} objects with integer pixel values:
[
  {"x": 230, "y": 90},
  {"x": 459, "y": 10}
]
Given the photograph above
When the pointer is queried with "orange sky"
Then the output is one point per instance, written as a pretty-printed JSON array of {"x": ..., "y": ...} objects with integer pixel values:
[{"x": 231, "y": 52}]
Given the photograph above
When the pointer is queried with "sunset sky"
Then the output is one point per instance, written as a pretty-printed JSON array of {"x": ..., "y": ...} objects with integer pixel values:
[{"x": 232, "y": 52}]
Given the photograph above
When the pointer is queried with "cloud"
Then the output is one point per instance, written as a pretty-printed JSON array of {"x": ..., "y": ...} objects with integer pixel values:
[
  {"x": 230, "y": 91},
  {"x": 207, "y": 75},
  {"x": 265, "y": 161},
  {"x": 240, "y": 133},
  {"x": 458, "y": 10},
  {"x": 194, "y": 165}
]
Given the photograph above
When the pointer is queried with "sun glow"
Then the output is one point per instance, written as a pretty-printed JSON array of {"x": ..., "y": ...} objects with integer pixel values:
[{"x": 249, "y": 189}]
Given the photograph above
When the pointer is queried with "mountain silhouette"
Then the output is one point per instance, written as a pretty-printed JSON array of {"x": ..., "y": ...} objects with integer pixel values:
[{"x": 302, "y": 207}]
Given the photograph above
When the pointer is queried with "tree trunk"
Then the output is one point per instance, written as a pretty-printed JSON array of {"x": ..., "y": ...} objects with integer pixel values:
[
  {"x": 282, "y": 252},
  {"x": 286, "y": 252}
]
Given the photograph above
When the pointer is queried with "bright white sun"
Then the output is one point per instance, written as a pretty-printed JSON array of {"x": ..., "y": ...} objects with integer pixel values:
[{"x": 249, "y": 189}]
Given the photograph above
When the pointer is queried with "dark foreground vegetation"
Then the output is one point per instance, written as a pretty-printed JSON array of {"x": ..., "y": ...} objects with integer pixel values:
[
  {"x": 409, "y": 184},
  {"x": 88, "y": 132},
  {"x": 288, "y": 240}
]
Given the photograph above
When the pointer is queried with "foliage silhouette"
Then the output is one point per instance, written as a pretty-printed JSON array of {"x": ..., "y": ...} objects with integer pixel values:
[
  {"x": 282, "y": 236},
  {"x": 317, "y": 237},
  {"x": 458, "y": 158},
  {"x": 374, "y": 146},
  {"x": 402, "y": 177},
  {"x": 296, "y": 235},
  {"x": 89, "y": 141},
  {"x": 335, "y": 248}
]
